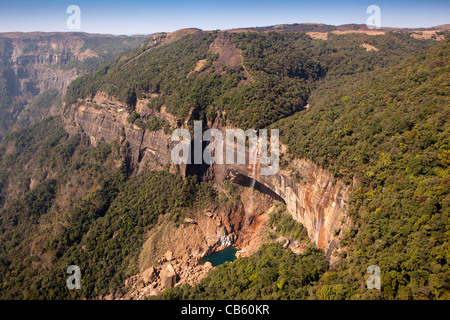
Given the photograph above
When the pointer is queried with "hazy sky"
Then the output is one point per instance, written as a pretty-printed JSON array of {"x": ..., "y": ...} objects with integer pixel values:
[{"x": 144, "y": 17}]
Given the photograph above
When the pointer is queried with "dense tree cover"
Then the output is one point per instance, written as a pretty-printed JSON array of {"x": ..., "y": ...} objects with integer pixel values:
[
  {"x": 39, "y": 168},
  {"x": 289, "y": 65},
  {"x": 150, "y": 68},
  {"x": 298, "y": 27},
  {"x": 342, "y": 55},
  {"x": 107, "y": 228},
  {"x": 27, "y": 155},
  {"x": 39, "y": 108},
  {"x": 390, "y": 131},
  {"x": 385, "y": 125},
  {"x": 101, "y": 226},
  {"x": 271, "y": 273},
  {"x": 149, "y": 123},
  {"x": 284, "y": 68},
  {"x": 282, "y": 222}
]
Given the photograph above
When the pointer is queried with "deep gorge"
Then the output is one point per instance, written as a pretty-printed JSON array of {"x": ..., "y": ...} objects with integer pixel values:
[{"x": 318, "y": 201}]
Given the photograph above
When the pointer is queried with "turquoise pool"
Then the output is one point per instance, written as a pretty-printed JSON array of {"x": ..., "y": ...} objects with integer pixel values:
[{"x": 222, "y": 256}]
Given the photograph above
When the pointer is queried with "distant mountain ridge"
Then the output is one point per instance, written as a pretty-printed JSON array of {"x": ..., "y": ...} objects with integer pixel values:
[
  {"x": 320, "y": 27},
  {"x": 32, "y": 63}
]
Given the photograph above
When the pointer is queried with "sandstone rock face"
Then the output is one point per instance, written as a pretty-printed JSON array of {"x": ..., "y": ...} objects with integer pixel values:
[
  {"x": 32, "y": 55},
  {"x": 318, "y": 203},
  {"x": 109, "y": 124},
  {"x": 317, "y": 200},
  {"x": 32, "y": 63}
]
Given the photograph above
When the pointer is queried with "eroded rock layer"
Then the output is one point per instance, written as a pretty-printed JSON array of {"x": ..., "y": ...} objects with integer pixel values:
[{"x": 312, "y": 195}]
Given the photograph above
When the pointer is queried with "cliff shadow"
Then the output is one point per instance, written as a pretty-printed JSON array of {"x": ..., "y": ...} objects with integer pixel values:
[
  {"x": 246, "y": 181},
  {"x": 202, "y": 171}
]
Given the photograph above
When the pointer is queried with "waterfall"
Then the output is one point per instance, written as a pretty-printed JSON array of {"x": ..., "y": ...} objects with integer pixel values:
[
  {"x": 320, "y": 208},
  {"x": 253, "y": 159},
  {"x": 254, "y": 164},
  {"x": 318, "y": 227}
]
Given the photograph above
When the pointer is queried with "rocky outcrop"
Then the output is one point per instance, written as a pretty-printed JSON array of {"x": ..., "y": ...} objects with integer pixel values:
[
  {"x": 314, "y": 198},
  {"x": 311, "y": 194},
  {"x": 109, "y": 122},
  {"x": 229, "y": 57},
  {"x": 164, "y": 276},
  {"x": 32, "y": 63},
  {"x": 149, "y": 275},
  {"x": 36, "y": 61},
  {"x": 172, "y": 255}
]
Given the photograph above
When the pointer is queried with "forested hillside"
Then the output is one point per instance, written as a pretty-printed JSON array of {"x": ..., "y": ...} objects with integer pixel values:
[
  {"x": 284, "y": 68},
  {"x": 271, "y": 273},
  {"x": 81, "y": 206},
  {"x": 377, "y": 119},
  {"x": 389, "y": 131}
]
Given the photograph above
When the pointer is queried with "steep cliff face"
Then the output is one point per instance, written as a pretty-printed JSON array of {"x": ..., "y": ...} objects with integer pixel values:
[
  {"x": 311, "y": 194},
  {"x": 316, "y": 200},
  {"x": 32, "y": 57},
  {"x": 109, "y": 122},
  {"x": 32, "y": 63}
]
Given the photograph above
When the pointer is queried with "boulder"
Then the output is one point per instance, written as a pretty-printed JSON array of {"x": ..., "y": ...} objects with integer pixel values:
[
  {"x": 189, "y": 220},
  {"x": 209, "y": 213},
  {"x": 149, "y": 275},
  {"x": 170, "y": 281},
  {"x": 168, "y": 276},
  {"x": 168, "y": 256}
]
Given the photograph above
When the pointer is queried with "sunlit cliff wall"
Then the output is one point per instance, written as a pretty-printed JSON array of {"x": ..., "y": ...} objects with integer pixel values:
[{"x": 316, "y": 199}]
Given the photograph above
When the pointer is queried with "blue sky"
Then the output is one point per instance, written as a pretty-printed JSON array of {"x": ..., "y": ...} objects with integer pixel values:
[{"x": 144, "y": 17}]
